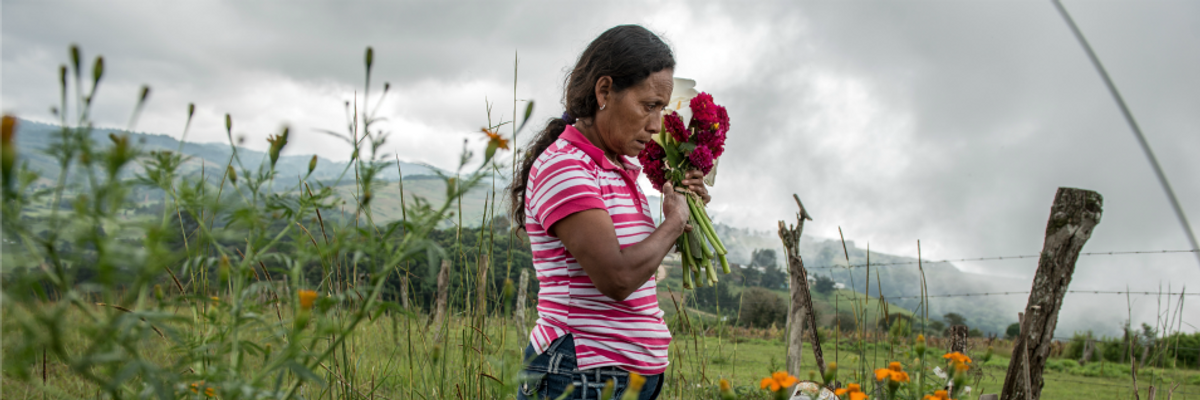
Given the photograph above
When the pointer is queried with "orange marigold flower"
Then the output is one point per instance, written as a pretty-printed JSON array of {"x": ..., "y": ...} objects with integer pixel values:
[
  {"x": 895, "y": 366},
  {"x": 938, "y": 395},
  {"x": 210, "y": 392},
  {"x": 724, "y": 385},
  {"x": 854, "y": 390},
  {"x": 636, "y": 381},
  {"x": 777, "y": 381},
  {"x": 957, "y": 357},
  {"x": 196, "y": 386},
  {"x": 307, "y": 297},
  {"x": 883, "y": 374},
  {"x": 495, "y": 138}
]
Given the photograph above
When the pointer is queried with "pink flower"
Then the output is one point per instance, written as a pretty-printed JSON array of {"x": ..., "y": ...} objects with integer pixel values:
[
  {"x": 674, "y": 126},
  {"x": 713, "y": 140},
  {"x": 701, "y": 158}
]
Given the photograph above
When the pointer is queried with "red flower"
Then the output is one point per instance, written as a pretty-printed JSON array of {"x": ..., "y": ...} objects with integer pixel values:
[
  {"x": 704, "y": 112},
  {"x": 655, "y": 173},
  {"x": 675, "y": 127},
  {"x": 713, "y": 140},
  {"x": 722, "y": 120},
  {"x": 702, "y": 159},
  {"x": 652, "y": 152}
]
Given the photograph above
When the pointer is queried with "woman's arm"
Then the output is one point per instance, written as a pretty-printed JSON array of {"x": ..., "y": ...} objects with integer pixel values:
[{"x": 591, "y": 238}]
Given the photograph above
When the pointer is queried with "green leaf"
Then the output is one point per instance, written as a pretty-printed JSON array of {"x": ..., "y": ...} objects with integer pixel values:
[
  {"x": 304, "y": 372},
  {"x": 528, "y": 113}
]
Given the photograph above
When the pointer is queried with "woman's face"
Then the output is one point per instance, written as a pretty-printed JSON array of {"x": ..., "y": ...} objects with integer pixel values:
[{"x": 630, "y": 117}]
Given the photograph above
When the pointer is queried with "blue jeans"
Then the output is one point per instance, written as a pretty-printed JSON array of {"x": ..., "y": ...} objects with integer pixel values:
[{"x": 549, "y": 374}]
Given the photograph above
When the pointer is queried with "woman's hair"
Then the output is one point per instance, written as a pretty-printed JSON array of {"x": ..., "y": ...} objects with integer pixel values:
[{"x": 626, "y": 53}]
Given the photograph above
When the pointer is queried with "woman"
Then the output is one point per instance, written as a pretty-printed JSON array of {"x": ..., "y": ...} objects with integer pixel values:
[{"x": 595, "y": 246}]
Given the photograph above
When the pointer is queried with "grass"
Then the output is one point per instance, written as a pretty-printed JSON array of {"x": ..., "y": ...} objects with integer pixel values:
[{"x": 378, "y": 358}]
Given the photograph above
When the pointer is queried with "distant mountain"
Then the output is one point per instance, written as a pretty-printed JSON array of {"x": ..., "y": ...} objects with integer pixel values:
[{"x": 33, "y": 138}]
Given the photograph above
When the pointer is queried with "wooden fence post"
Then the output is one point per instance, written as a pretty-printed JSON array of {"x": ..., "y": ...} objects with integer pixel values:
[
  {"x": 443, "y": 294},
  {"x": 958, "y": 339},
  {"x": 404, "y": 291},
  {"x": 1073, "y": 215},
  {"x": 522, "y": 284},
  {"x": 801, "y": 309}
]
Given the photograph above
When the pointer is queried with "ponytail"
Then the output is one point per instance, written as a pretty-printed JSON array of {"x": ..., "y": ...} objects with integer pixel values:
[{"x": 541, "y": 142}]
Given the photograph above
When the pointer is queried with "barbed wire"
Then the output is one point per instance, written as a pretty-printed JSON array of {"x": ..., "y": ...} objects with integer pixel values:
[
  {"x": 1027, "y": 292},
  {"x": 998, "y": 258}
]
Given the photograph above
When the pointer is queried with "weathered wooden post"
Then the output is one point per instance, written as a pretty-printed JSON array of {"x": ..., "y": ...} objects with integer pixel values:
[
  {"x": 443, "y": 294},
  {"x": 522, "y": 284},
  {"x": 404, "y": 291},
  {"x": 958, "y": 339},
  {"x": 801, "y": 309},
  {"x": 1073, "y": 215}
]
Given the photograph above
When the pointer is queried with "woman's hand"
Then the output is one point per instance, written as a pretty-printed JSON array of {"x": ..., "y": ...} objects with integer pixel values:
[
  {"x": 694, "y": 181},
  {"x": 675, "y": 208}
]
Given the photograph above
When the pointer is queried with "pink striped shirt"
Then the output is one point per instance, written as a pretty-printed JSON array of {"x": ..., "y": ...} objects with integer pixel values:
[{"x": 573, "y": 175}]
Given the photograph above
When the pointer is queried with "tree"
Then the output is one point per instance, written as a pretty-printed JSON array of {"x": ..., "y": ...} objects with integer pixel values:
[
  {"x": 763, "y": 258},
  {"x": 1013, "y": 330},
  {"x": 823, "y": 285},
  {"x": 761, "y": 308},
  {"x": 953, "y": 319}
]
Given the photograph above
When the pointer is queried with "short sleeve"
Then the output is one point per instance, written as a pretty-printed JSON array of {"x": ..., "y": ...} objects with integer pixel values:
[{"x": 563, "y": 185}]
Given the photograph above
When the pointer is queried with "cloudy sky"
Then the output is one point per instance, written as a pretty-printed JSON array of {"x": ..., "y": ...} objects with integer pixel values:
[{"x": 947, "y": 122}]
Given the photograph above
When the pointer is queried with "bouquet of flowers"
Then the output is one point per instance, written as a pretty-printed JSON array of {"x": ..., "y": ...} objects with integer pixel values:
[{"x": 692, "y": 138}]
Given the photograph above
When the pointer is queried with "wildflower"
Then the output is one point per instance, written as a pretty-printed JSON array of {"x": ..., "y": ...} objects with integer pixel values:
[
  {"x": 494, "y": 138},
  {"x": 277, "y": 143},
  {"x": 893, "y": 373},
  {"x": 495, "y": 141},
  {"x": 831, "y": 373},
  {"x": 938, "y": 395},
  {"x": 853, "y": 390},
  {"x": 195, "y": 386},
  {"x": 307, "y": 297},
  {"x": 777, "y": 381},
  {"x": 726, "y": 390},
  {"x": 958, "y": 358},
  {"x": 210, "y": 392},
  {"x": 636, "y": 381},
  {"x": 9, "y": 157}
]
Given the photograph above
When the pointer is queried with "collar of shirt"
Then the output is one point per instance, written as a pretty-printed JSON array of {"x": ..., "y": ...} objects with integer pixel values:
[{"x": 629, "y": 173}]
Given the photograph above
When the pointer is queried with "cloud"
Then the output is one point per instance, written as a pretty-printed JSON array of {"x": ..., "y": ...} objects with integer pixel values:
[{"x": 951, "y": 123}]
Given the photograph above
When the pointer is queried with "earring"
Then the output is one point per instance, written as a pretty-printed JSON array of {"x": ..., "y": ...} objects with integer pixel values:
[{"x": 602, "y": 107}]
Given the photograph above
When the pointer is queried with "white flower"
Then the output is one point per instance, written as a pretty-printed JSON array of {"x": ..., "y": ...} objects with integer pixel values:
[
  {"x": 681, "y": 96},
  {"x": 940, "y": 374}
]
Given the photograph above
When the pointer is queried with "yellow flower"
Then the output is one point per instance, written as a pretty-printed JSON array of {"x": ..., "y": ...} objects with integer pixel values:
[
  {"x": 921, "y": 338},
  {"x": 724, "y": 385},
  {"x": 210, "y": 392},
  {"x": 938, "y": 395},
  {"x": 636, "y": 381},
  {"x": 777, "y": 381},
  {"x": 307, "y": 297},
  {"x": 853, "y": 390}
]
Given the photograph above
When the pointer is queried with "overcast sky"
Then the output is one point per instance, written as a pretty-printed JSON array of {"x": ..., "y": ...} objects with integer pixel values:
[{"x": 947, "y": 122}]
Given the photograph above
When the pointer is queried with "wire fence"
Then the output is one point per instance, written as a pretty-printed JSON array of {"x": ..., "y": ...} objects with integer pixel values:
[{"x": 995, "y": 258}]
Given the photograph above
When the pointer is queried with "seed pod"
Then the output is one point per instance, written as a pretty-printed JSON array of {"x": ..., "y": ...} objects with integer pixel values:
[
  {"x": 228, "y": 125},
  {"x": 191, "y": 110},
  {"x": 312, "y": 164},
  {"x": 97, "y": 73},
  {"x": 158, "y": 293},
  {"x": 75, "y": 58},
  {"x": 370, "y": 58},
  {"x": 232, "y": 174}
]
